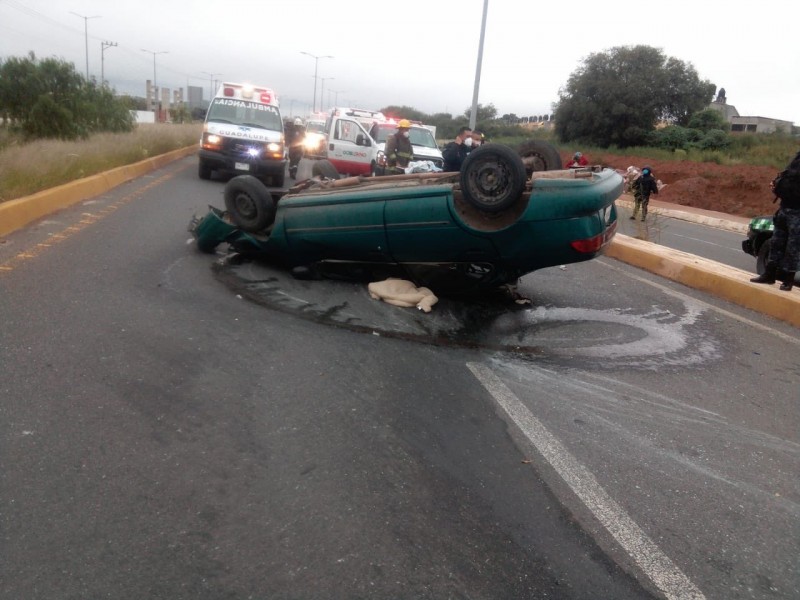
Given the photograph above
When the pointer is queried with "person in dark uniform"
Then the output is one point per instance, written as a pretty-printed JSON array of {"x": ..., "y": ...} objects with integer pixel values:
[
  {"x": 295, "y": 142},
  {"x": 456, "y": 151},
  {"x": 642, "y": 187},
  {"x": 784, "y": 251}
]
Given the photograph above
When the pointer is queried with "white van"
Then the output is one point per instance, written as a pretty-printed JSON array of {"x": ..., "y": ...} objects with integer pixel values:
[
  {"x": 243, "y": 134},
  {"x": 422, "y": 140},
  {"x": 349, "y": 146}
]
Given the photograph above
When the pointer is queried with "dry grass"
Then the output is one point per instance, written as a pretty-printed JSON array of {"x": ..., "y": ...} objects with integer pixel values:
[{"x": 35, "y": 166}]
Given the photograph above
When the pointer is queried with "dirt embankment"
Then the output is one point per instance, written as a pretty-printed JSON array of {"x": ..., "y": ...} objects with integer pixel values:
[{"x": 735, "y": 190}]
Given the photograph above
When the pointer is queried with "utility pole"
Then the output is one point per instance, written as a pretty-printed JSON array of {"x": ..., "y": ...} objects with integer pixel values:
[
  {"x": 103, "y": 46},
  {"x": 86, "y": 37},
  {"x": 156, "y": 99},
  {"x": 210, "y": 84}
]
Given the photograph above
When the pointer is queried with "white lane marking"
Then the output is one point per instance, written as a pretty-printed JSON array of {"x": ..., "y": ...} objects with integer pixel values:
[
  {"x": 722, "y": 311},
  {"x": 736, "y": 251},
  {"x": 655, "y": 564}
]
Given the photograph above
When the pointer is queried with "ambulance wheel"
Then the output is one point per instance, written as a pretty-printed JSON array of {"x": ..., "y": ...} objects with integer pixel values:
[
  {"x": 249, "y": 203},
  {"x": 492, "y": 178},
  {"x": 324, "y": 168}
]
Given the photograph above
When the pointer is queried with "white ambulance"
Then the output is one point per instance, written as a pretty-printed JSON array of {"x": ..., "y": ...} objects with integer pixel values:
[
  {"x": 349, "y": 147},
  {"x": 243, "y": 134}
]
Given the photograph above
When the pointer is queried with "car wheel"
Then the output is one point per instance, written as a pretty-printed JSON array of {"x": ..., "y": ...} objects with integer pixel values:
[
  {"x": 324, "y": 168},
  {"x": 492, "y": 177},
  {"x": 249, "y": 203},
  {"x": 203, "y": 170},
  {"x": 539, "y": 156},
  {"x": 763, "y": 256}
]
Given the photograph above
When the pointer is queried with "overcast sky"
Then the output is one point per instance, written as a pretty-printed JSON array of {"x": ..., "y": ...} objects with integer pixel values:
[{"x": 415, "y": 53}]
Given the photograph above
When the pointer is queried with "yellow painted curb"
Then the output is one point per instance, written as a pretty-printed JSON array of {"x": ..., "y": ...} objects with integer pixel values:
[
  {"x": 16, "y": 214},
  {"x": 715, "y": 278}
]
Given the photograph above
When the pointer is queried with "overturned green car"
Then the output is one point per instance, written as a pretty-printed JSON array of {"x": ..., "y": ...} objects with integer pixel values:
[{"x": 496, "y": 220}]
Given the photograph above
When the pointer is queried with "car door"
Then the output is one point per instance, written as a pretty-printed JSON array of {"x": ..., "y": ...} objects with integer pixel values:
[{"x": 350, "y": 148}]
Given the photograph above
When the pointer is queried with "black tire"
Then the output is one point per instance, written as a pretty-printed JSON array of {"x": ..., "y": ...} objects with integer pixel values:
[
  {"x": 249, "y": 203},
  {"x": 324, "y": 168},
  {"x": 492, "y": 178},
  {"x": 763, "y": 256},
  {"x": 203, "y": 170},
  {"x": 544, "y": 156}
]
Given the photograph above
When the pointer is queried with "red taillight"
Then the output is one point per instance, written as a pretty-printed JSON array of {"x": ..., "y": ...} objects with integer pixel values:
[{"x": 595, "y": 243}]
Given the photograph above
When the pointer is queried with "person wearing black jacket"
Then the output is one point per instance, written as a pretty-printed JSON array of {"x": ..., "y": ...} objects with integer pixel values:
[
  {"x": 784, "y": 251},
  {"x": 642, "y": 187},
  {"x": 456, "y": 151}
]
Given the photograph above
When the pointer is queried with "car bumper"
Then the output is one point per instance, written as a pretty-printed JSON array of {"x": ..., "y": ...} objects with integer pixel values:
[{"x": 251, "y": 166}]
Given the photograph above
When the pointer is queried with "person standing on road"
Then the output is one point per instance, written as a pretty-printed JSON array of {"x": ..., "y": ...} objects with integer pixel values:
[
  {"x": 642, "y": 187},
  {"x": 456, "y": 151},
  {"x": 398, "y": 149},
  {"x": 298, "y": 135},
  {"x": 784, "y": 251}
]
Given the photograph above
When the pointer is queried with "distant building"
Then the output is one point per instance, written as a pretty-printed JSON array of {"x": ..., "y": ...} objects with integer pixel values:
[
  {"x": 195, "y": 97},
  {"x": 740, "y": 124}
]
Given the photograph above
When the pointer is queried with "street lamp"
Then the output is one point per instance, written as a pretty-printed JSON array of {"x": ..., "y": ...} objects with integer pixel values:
[
  {"x": 474, "y": 113},
  {"x": 156, "y": 102},
  {"x": 335, "y": 96},
  {"x": 103, "y": 46},
  {"x": 322, "y": 91},
  {"x": 210, "y": 84},
  {"x": 86, "y": 37},
  {"x": 316, "y": 64}
]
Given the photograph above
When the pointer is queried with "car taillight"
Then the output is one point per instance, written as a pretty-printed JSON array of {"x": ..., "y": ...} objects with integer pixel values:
[{"x": 595, "y": 243}]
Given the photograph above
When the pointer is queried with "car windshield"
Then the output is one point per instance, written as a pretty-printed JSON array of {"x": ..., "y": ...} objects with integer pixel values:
[
  {"x": 315, "y": 127},
  {"x": 419, "y": 136},
  {"x": 249, "y": 114}
]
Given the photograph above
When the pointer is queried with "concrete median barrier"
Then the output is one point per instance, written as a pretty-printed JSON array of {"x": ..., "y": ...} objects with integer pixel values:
[
  {"x": 709, "y": 276},
  {"x": 16, "y": 214}
]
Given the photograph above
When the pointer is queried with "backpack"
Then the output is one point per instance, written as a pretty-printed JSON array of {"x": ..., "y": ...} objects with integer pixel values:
[{"x": 786, "y": 185}]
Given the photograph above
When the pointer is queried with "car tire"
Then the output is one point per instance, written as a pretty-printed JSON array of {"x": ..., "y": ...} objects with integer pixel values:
[
  {"x": 545, "y": 156},
  {"x": 324, "y": 168},
  {"x": 492, "y": 178},
  {"x": 763, "y": 256},
  {"x": 249, "y": 203},
  {"x": 203, "y": 170}
]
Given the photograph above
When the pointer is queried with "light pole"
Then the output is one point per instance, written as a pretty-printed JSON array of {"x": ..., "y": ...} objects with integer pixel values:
[
  {"x": 210, "y": 84},
  {"x": 316, "y": 64},
  {"x": 86, "y": 37},
  {"x": 335, "y": 96},
  {"x": 103, "y": 46},
  {"x": 474, "y": 113},
  {"x": 322, "y": 91},
  {"x": 156, "y": 101}
]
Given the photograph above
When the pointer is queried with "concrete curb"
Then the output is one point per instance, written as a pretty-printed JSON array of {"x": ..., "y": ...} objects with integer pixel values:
[
  {"x": 16, "y": 214},
  {"x": 709, "y": 218},
  {"x": 715, "y": 278}
]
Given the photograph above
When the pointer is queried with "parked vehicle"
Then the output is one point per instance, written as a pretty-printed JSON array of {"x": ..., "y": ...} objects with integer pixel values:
[
  {"x": 316, "y": 138},
  {"x": 470, "y": 231},
  {"x": 759, "y": 240},
  {"x": 349, "y": 146},
  {"x": 243, "y": 133},
  {"x": 422, "y": 141}
]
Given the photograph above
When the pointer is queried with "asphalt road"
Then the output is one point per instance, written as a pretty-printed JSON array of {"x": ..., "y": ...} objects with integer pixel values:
[{"x": 169, "y": 433}]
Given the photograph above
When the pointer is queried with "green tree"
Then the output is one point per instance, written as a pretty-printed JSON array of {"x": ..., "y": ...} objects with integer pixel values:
[
  {"x": 617, "y": 97},
  {"x": 708, "y": 119},
  {"x": 48, "y": 98},
  {"x": 486, "y": 112}
]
